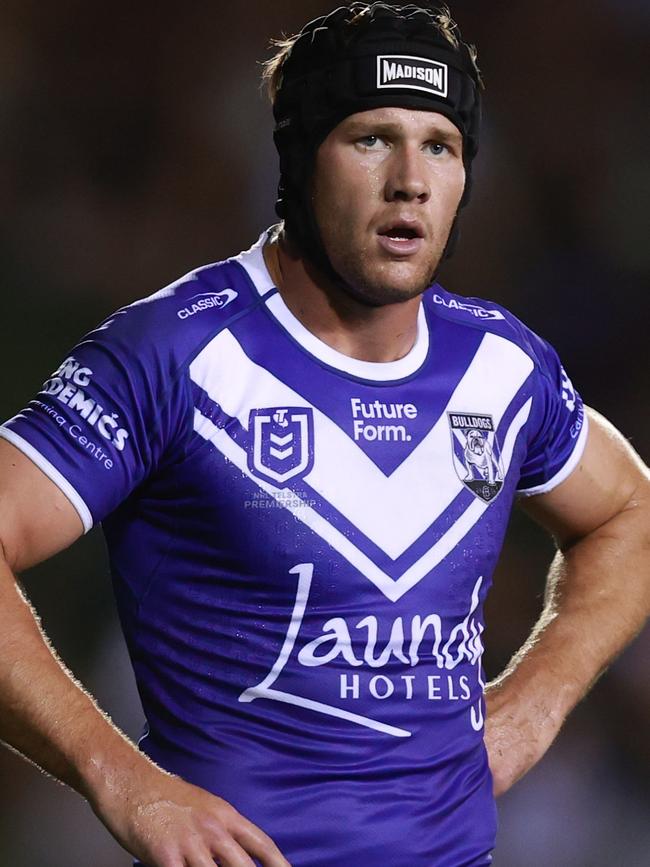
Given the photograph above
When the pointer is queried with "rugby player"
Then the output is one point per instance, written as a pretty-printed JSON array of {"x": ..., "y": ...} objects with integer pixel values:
[{"x": 304, "y": 459}]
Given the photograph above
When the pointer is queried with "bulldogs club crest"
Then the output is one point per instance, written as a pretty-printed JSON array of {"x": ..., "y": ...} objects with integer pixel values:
[
  {"x": 476, "y": 454},
  {"x": 281, "y": 444}
]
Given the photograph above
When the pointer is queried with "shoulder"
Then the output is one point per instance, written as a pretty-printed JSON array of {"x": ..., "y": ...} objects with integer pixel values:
[
  {"x": 178, "y": 320},
  {"x": 490, "y": 318}
]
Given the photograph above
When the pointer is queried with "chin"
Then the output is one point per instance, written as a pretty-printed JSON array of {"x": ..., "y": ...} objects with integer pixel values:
[
  {"x": 379, "y": 294},
  {"x": 388, "y": 285}
]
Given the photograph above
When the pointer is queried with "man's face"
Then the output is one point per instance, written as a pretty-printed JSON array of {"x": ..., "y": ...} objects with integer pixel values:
[{"x": 387, "y": 184}]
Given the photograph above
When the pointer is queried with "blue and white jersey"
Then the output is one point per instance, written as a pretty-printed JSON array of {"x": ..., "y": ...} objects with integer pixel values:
[{"x": 301, "y": 545}]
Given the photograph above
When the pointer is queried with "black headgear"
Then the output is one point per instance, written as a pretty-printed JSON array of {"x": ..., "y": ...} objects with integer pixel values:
[{"x": 361, "y": 57}]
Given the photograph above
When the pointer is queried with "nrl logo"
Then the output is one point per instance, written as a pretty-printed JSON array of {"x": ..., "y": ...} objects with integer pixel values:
[
  {"x": 281, "y": 444},
  {"x": 476, "y": 454}
]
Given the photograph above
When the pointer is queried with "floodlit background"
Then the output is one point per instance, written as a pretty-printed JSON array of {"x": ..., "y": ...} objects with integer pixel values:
[{"x": 135, "y": 144}]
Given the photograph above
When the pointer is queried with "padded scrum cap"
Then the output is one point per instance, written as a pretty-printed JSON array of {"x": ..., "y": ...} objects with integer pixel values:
[{"x": 391, "y": 56}]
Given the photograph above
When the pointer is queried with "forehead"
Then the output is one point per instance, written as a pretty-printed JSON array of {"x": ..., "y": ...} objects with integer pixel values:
[{"x": 404, "y": 120}]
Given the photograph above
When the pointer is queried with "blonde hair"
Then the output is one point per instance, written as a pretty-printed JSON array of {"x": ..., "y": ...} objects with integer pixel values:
[{"x": 272, "y": 68}]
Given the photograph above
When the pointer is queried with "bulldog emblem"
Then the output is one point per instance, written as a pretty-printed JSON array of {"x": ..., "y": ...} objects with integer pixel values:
[{"x": 476, "y": 453}]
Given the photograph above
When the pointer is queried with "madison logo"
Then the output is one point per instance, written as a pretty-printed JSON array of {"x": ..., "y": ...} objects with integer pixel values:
[
  {"x": 476, "y": 454},
  {"x": 281, "y": 443},
  {"x": 413, "y": 73}
]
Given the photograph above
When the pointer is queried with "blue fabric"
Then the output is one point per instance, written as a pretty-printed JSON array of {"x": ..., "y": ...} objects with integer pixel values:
[{"x": 301, "y": 557}]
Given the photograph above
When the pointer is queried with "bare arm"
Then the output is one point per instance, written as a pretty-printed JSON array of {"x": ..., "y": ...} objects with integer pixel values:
[
  {"x": 597, "y": 600},
  {"x": 46, "y": 715}
]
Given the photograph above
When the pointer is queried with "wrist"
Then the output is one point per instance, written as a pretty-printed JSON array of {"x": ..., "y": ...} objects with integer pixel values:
[
  {"x": 533, "y": 692},
  {"x": 112, "y": 772}
]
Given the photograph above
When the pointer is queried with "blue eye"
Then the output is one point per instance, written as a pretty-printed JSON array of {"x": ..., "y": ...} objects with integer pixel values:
[{"x": 438, "y": 149}]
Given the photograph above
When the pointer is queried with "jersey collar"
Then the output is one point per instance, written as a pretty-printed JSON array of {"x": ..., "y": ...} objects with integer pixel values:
[{"x": 252, "y": 261}]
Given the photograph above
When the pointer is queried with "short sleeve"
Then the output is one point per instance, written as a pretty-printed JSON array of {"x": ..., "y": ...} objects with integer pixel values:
[
  {"x": 559, "y": 425},
  {"x": 113, "y": 411}
]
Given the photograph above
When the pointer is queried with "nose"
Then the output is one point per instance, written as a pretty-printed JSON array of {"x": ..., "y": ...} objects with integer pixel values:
[{"x": 407, "y": 180}]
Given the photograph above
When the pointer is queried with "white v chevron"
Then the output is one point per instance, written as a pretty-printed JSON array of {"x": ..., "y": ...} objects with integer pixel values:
[
  {"x": 239, "y": 385},
  {"x": 281, "y": 441},
  {"x": 392, "y": 589},
  {"x": 280, "y": 453}
]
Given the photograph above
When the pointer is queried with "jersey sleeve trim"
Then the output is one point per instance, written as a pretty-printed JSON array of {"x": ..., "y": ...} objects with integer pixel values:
[
  {"x": 565, "y": 471},
  {"x": 52, "y": 473}
]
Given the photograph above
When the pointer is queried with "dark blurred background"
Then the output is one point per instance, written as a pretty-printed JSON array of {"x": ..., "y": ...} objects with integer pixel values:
[{"x": 135, "y": 144}]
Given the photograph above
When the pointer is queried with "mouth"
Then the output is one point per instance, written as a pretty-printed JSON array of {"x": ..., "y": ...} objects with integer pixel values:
[{"x": 401, "y": 237}]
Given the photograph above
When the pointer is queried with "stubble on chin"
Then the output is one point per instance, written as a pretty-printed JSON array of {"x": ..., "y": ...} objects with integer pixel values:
[{"x": 375, "y": 283}]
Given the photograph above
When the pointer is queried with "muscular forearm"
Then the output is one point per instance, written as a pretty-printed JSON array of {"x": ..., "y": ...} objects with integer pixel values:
[
  {"x": 597, "y": 600},
  {"x": 48, "y": 717},
  {"x": 44, "y": 712}
]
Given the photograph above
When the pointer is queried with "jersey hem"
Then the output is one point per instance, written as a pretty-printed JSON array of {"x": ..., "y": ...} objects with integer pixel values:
[
  {"x": 52, "y": 473},
  {"x": 565, "y": 471}
]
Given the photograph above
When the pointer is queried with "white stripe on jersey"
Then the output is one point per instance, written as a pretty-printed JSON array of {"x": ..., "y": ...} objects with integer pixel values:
[
  {"x": 423, "y": 485},
  {"x": 392, "y": 589}
]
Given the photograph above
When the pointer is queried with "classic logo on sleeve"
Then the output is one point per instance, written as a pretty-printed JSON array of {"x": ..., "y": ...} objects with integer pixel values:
[
  {"x": 281, "y": 444},
  {"x": 474, "y": 310},
  {"x": 206, "y": 301},
  {"x": 412, "y": 73},
  {"x": 476, "y": 454}
]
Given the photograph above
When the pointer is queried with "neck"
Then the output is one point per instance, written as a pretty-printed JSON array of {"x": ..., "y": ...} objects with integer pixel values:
[{"x": 359, "y": 331}]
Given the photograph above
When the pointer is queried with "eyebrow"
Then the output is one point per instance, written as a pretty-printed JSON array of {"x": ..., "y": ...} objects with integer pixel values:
[{"x": 360, "y": 127}]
